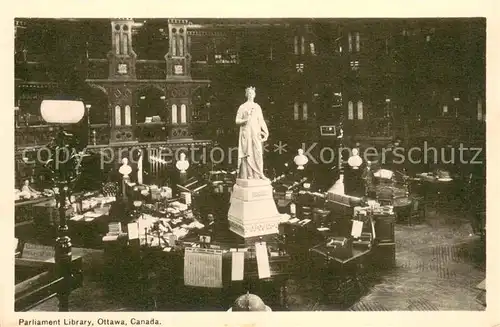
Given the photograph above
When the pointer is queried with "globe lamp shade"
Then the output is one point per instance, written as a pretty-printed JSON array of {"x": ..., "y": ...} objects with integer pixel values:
[
  {"x": 249, "y": 302},
  {"x": 62, "y": 111}
]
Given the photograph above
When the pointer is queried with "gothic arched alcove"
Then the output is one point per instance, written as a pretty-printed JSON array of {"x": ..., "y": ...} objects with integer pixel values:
[
  {"x": 97, "y": 98},
  {"x": 150, "y": 104},
  {"x": 151, "y": 114}
]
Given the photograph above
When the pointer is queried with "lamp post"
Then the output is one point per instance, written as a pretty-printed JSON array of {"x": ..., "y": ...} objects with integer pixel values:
[
  {"x": 87, "y": 107},
  {"x": 64, "y": 166},
  {"x": 456, "y": 105},
  {"x": 16, "y": 116}
]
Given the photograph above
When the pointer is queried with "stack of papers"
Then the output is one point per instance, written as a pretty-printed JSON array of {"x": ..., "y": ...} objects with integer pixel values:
[
  {"x": 180, "y": 232},
  {"x": 196, "y": 225},
  {"x": 304, "y": 222},
  {"x": 77, "y": 217},
  {"x": 284, "y": 217},
  {"x": 92, "y": 214},
  {"x": 110, "y": 238},
  {"x": 179, "y": 206}
]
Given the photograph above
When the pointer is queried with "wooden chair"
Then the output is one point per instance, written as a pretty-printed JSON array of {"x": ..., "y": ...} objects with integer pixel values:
[
  {"x": 417, "y": 210},
  {"x": 385, "y": 195}
]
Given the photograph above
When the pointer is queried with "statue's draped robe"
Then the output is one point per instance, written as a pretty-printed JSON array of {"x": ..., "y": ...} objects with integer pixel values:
[{"x": 250, "y": 149}]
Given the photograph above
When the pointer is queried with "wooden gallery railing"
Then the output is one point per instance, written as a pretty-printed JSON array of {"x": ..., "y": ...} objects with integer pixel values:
[{"x": 46, "y": 279}]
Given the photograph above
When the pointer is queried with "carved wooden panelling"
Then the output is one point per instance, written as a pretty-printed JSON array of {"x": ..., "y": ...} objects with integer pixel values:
[
  {"x": 122, "y": 93},
  {"x": 122, "y": 134},
  {"x": 179, "y": 92},
  {"x": 179, "y": 132}
]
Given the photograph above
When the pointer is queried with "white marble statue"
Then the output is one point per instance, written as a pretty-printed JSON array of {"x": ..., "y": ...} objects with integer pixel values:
[
  {"x": 253, "y": 132},
  {"x": 140, "y": 169},
  {"x": 125, "y": 169},
  {"x": 355, "y": 160},
  {"x": 28, "y": 192},
  {"x": 300, "y": 159},
  {"x": 182, "y": 164}
]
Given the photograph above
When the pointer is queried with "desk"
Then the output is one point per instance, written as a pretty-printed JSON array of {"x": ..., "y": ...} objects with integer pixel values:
[
  {"x": 159, "y": 275},
  {"x": 24, "y": 213},
  {"x": 434, "y": 191},
  {"x": 402, "y": 208},
  {"x": 22, "y": 203},
  {"x": 88, "y": 234},
  {"x": 45, "y": 215},
  {"x": 344, "y": 275}
]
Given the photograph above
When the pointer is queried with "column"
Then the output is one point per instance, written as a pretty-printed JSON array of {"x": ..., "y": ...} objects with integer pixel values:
[
  {"x": 178, "y": 59},
  {"x": 121, "y": 70},
  {"x": 179, "y": 109},
  {"x": 122, "y": 56}
]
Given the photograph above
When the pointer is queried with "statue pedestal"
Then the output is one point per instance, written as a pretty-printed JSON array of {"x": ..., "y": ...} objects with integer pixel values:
[{"x": 253, "y": 211}]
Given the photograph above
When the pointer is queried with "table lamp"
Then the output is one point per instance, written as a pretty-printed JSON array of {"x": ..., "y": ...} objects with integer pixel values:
[{"x": 64, "y": 164}]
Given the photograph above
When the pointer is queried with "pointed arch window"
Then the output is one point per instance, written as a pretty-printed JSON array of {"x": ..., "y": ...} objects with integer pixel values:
[
  {"x": 304, "y": 111},
  {"x": 174, "y": 114},
  {"x": 128, "y": 116},
  {"x": 117, "y": 42},
  {"x": 174, "y": 46},
  {"x": 181, "y": 46},
  {"x": 125, "y": 44},
  {"x": 183, "y": 113},
  {"x": 296, "y": 111},
  {"x": 118, "y": 116},
  {"x": 360, "y": 110}
]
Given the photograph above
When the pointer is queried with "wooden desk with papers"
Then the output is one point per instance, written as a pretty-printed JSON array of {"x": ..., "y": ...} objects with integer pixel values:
[{"x": 210, "y": 275}]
